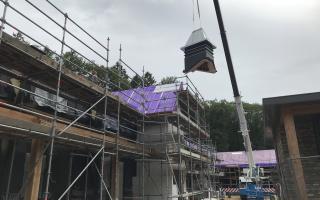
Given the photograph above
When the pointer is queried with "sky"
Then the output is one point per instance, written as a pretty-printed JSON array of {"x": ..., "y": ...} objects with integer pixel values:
[{"x": 274, "y": 43}]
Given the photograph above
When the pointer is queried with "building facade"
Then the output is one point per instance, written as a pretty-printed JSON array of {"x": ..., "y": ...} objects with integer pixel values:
[{"x": 292, "y": 122}]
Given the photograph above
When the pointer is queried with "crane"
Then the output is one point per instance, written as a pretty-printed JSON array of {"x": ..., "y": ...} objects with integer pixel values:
[
  {"x": 249, "y": 184},
  {"x": 199, "y": 57}
]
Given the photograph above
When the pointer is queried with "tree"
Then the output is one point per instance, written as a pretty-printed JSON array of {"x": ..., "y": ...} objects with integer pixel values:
[
  {"x": 118, "y": 78},
  {"x": 224, "y": 125},
  {"x": 137, "y": 80},
  {"x": 168, "y": 80},
  {"x": 148, "y": 79}
]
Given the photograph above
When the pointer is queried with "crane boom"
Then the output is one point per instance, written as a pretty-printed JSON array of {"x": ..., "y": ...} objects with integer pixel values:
[{"x": 240, "y": 111}]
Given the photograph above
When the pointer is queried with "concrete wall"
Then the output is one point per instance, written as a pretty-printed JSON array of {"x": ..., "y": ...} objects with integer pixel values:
[{"x": 158, "y": 180}]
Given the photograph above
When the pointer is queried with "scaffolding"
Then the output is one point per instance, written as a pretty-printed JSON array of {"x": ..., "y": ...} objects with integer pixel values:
[
  {"x": 179, "y": 136},
  {"x": 61, "y": 107}
]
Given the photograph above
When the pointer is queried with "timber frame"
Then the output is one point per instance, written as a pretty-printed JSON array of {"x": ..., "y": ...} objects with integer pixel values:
[{"x": 291, "y": 121}]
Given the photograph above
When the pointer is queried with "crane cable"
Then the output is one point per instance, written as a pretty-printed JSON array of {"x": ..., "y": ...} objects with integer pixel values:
[
  {"x": 198, "y": 11},
  {"x": 193, "y": 13}
]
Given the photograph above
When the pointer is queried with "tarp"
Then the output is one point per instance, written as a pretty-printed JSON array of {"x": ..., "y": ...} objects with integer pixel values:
[
  {"x": 262, "y": 158},
  {"x": 6, "y": 91},
  {"x": 151, "y": 99},
  {"x": 61, "y": 107},
  {"x": 111, "y": 123}
]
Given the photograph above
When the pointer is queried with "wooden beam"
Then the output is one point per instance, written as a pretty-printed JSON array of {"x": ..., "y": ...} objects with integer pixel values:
[
  {"x": 35, "y": 168},
  {"x": 294, "y": 153},
  {"x": 304, "y": 109},
  {"x": 45, "y": 123}
]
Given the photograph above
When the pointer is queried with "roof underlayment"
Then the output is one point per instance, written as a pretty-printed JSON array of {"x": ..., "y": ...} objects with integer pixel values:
[
  {"x": 152, "y": 99},
  {"x": 262, "y": 158}
]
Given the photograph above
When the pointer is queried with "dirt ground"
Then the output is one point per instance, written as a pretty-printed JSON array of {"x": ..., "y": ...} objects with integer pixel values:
[{"x": 232, "y": 198}]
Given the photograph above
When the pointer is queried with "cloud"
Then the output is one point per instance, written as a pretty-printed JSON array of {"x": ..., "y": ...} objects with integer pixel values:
[{"x": 274, "y": 44}]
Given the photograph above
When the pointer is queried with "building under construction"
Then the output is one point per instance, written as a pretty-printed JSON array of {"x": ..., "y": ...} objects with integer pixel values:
[
  {"x": 65, "y": 134},
  {"x": 232, "y": 165}
]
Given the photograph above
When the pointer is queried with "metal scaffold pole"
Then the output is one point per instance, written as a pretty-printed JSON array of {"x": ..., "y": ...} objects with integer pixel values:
[
  {"x": 70, "y": 173},
  {"x": 199, "y": 141},
  {"x": 143, "y": 134},
  {"x": 115, "y": 171},
  {"x": 3, "y": 19},
  {"x": 79, "y": 175},
  {"x": 105, "y": 120},
  {"x": 189, "y": 133},
  {"x": 10, "y": 170},
  {"x": 56, "y": 109},
  {"x": 179, "y": 146},
  {"x": 165, "y": 148}
]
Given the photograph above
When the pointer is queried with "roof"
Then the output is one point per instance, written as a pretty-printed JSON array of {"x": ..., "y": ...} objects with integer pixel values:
[
  {"x": 196, "y": 36},
  {"x": 152, "y": 99},
  {"x": 272, "y": 107},
  {"x": 262, "y": 158},
  {"x": 298, "y": 98}
]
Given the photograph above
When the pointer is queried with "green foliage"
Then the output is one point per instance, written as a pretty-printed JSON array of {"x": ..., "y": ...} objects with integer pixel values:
[
  {"x": 137, "y": 80},
  {"x": 117, "y": 75},
  {"x": 149, "y": 79},
  {"x": 224, "y": 125},
  {"x": 119, "y": 79},
  {"x": 168, "y": 80}
]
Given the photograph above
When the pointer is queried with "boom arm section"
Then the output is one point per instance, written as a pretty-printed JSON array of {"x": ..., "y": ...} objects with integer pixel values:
[{"x": 237, "y": 97}]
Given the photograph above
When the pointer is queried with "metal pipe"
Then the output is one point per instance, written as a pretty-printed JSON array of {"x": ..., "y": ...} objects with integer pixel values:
[
  {"x": 86, "y": 181},
  {"x": 51, "y": 36},
  {"x": 70, "y": 173},
  {"x": 143, "y": 136},
  {"x": 86, "y": 45},
  {"x": 103, "y": 182},
  {"x": 49, "y": 117},
  {"x": 53, "y": 101},
  {"x": 105, "y": 122},
  {"x": 54, "y": 123},
  {"x": 10, "y": 170},
  {"x": 3, "y": 19},
  {"x": 78, "y": 25},
  {"x": 75, "y": 180},
  {"x": 46, "y": 31},
  {"x": 189, "y": 133},
  {"x": 25, "y": 34},
  {"x": 179, "y": 146},
  {"x": 136, "y": 73},
  {"x": 74, "y": 121}
]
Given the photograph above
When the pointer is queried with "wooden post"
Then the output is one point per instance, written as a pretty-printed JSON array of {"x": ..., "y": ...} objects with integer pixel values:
[
  {"x": 35, "y": 165},
  {"x": 115, "y": 179},
  {"x": 294, "y": 153}
]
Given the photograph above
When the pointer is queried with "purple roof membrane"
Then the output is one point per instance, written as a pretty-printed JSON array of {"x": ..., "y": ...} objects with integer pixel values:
[
  {"x": 262, "y": 158},
  {"x": 152, "y": 99}
]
